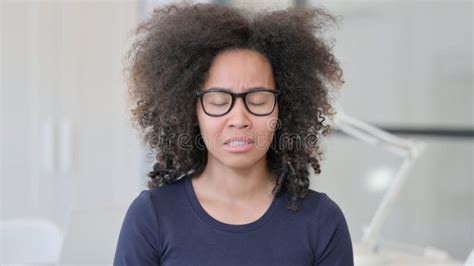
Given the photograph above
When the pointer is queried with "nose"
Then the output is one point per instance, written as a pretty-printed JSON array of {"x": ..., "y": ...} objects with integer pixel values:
[{"x": 239, "y": 116}]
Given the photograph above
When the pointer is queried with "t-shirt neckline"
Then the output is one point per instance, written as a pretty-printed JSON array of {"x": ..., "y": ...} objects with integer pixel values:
[{"x": 207, "y": 218}]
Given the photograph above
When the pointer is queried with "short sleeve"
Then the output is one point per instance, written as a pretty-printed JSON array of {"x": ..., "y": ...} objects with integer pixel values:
[
  {"x": 333, "y": 245},
  {"x": 138, "y": 241}
]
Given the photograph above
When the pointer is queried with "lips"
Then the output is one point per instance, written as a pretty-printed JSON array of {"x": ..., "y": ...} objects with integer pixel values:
[{"x": 239, "y": 145}]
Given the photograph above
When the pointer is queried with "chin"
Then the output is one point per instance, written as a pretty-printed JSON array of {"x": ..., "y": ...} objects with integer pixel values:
[
  {"x": 238, "y": 165},
  {"x": 239, "y": 161}
]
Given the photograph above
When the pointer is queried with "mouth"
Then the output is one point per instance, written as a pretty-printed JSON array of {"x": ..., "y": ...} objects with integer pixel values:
[
  {"x": 239, "y": 144},
  {"x": 238, "y": 141}
]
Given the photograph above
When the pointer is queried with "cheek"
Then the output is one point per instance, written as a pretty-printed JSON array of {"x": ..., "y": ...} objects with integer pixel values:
[
  {"x": 202, "y": 120},
  {"x": 272, "y": 122},
  {"x": 209, "y": 128},
  {"x": 265, "y": 130}
]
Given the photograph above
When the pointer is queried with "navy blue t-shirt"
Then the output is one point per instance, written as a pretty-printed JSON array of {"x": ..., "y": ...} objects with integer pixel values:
[{"x": 167, "y": 226}]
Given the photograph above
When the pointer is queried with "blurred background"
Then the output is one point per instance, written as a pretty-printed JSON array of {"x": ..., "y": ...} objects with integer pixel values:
[{"x": 71, "y": 164}]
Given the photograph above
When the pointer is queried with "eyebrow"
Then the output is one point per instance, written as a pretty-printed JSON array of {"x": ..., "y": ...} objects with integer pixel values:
[{"x": 229, "y": 90}]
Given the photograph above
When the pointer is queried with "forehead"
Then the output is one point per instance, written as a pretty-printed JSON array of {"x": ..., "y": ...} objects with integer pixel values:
[{"x": 239, "y": 70}]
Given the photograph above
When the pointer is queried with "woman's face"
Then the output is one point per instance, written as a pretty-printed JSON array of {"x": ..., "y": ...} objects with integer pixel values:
[{"x": 238, "y": 71}]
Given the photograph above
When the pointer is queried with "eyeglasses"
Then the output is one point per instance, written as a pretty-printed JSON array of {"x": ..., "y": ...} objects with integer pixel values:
[{"x": 218, "y": 102}]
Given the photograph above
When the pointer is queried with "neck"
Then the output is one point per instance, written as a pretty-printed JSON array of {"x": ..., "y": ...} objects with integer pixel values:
[{"x": 243, "y": 184}]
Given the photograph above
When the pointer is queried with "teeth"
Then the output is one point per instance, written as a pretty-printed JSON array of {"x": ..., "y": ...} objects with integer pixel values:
[{"x": 237, "y": 143}]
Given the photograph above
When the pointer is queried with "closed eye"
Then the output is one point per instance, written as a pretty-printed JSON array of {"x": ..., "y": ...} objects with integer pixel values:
[
  {"x": 257, "y": 104},
  {"x": 219, "y": 104}
]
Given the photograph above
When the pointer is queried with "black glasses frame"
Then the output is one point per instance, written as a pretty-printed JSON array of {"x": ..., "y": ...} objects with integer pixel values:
[{"x": 234, "y": 95}]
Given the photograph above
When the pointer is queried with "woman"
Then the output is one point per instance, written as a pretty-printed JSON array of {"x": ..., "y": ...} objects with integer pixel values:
[{"x": 233, "y": 106}]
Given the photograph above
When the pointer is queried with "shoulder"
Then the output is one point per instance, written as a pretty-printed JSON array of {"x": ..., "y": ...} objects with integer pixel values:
[
  {"x": 141, "y": 233},
  {"x": 319, "y": 206},
  {"x": 325, "y": 208},
  {"x": 146, "y": 206},
  {"x": 319, "y": 212},
  {"x": 322, "y": 212},
  {"x": 139, "y": 237},
  {"x": 166, "y": 199},
  {"x": 331, "y": 239},
  {"x": 168, "y": 189},
  {"x": 149, "y": 198}
]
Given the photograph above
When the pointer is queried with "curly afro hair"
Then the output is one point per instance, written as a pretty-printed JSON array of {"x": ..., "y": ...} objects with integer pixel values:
[{"x": 169, "y": 62}]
